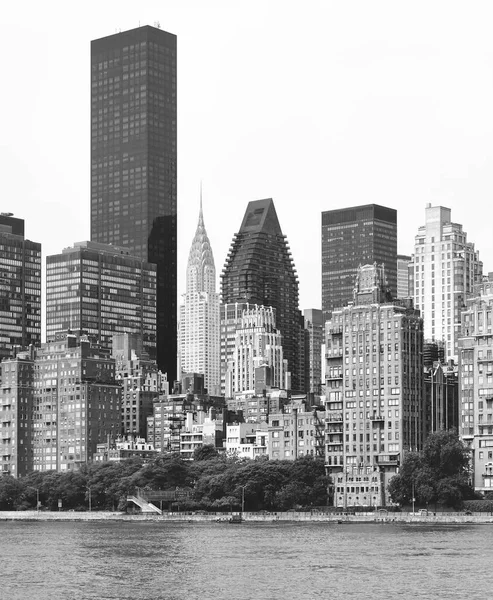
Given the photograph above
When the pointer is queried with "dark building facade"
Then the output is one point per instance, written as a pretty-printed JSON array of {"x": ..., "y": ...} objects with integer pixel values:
[
  {"x": 259, "y": 269},
  {"x": 101, "y": 290},
  {"x": 441, "y": 401},
  {"x": 134, "y": 161},
  {"x": 351, "y": 237},
  {"x": 20, "y": 285},
  {"x": 314, "y": 331}
]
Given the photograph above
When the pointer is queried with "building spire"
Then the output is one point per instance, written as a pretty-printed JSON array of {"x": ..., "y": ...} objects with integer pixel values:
[
  {"x": 201, "y": 272},
  {"x": 201, "y": 214}
]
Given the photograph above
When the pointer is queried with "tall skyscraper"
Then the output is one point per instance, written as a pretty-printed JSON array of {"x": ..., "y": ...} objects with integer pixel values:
[
  {"x": 133, "y": 160},
  {"x": 101, "y": 290},
  {"x": 198, "y": 345},
  {"x": 374, "y": 390},
  {"x": 20, "y": 284},
  {"x": 446, "y": 268},
  {"x": 259, "y": 269},
  {"x": 352, "y": 237}
]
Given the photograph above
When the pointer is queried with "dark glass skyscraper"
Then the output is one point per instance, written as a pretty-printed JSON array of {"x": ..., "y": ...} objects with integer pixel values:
[
  {"x": 133, "y": 160},
  {"x": 351, "y": 237},
  {"x": 259, "y": 269},
  {"x": 20, "y": 285}
]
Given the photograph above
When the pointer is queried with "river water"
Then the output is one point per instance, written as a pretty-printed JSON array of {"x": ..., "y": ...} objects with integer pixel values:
[{"x": 257, "y": 561}]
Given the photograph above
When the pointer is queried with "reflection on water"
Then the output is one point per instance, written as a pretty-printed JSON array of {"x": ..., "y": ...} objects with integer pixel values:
[{"x": 175, "y": 561}]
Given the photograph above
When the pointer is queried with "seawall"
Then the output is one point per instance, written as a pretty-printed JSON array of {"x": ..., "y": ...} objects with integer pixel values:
[{"x": 438, "y": 518}]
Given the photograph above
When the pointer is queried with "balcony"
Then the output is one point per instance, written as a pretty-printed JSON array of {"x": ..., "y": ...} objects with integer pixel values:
[
  {"x": 334, "y": 418},
  {"x": 335, "y": 331},
  {"x": 388, "y": 459},
  {"x": 334, "y": 353},
  {"x": 333, "y": 376},
  {"x": 334, "y": 431},
  {"x": 377, "y": 418},
  {"x": 334, "y": 440}
]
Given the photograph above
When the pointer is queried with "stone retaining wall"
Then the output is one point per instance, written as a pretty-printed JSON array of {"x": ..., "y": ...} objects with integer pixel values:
[{"x": 438, "y": 518}]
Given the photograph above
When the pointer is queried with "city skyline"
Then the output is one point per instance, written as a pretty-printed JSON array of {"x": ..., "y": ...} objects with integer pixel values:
[{"x": 387, "y": 107}]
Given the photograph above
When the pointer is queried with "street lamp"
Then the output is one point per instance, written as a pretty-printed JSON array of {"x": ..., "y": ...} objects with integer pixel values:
[
  {"x": 37, "y": 496},
  {"x": 88, "y": 488},
  {"x": 243, "y": 498}
]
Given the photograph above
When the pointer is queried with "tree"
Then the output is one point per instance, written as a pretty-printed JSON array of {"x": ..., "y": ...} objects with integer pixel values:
[
  {"x": 437, "y": 475},
  {"x": 206, "y": 452},
  {"x": 11, "y": 490}
]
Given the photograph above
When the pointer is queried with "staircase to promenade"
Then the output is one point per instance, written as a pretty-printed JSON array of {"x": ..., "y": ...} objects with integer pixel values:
[{"x": 145, "y": 506}]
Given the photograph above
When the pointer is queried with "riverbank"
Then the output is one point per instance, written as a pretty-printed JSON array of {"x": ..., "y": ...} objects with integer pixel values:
[{"x": 251, "y": 517}]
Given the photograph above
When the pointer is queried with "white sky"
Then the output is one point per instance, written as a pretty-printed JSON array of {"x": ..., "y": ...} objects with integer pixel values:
[{"x": 319, "y": 105}]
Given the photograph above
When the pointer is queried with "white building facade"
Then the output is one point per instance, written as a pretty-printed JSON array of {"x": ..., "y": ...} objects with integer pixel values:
[
  {"x": 257, "y": 343},
  {"x": 199, "y": 328},
  {"x": 446, "y": 268}
]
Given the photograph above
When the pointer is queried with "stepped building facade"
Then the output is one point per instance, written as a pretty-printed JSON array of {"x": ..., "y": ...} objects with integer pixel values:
[{"x": 257, "y": 344}]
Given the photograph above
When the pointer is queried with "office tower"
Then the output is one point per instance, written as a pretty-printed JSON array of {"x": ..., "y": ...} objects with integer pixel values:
[
  {"x": 404, "y": 278},
  {"x": 374, "y": 391},
  {"x": 314, "y": 325},
  {"x": 352, "y": 237},
  {"x": 101, "y": 290},
  {"x": 259, "y": 269},
  {"x": 476, "y": 384},
  {"x": 141, "y": 382},
  {"x": 446, "y": 267},
  {"x": 199, "y": 328},
  {"x": 133, "y": 161},
  {"x": 257, "y": 343},
  {"x": 20, "y": 282}
]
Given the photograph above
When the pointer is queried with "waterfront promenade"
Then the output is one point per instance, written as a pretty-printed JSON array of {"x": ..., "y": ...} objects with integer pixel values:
[{"x": 251, "y": 517}]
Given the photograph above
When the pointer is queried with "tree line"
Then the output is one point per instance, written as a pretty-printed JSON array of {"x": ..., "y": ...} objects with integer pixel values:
[
  {"x": 439, "y": 475},
  {"x": 215, "y": 483}
]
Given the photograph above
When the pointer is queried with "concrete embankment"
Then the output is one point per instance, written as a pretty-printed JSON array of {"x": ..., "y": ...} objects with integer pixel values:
[{"x": 431, "y": 519}]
